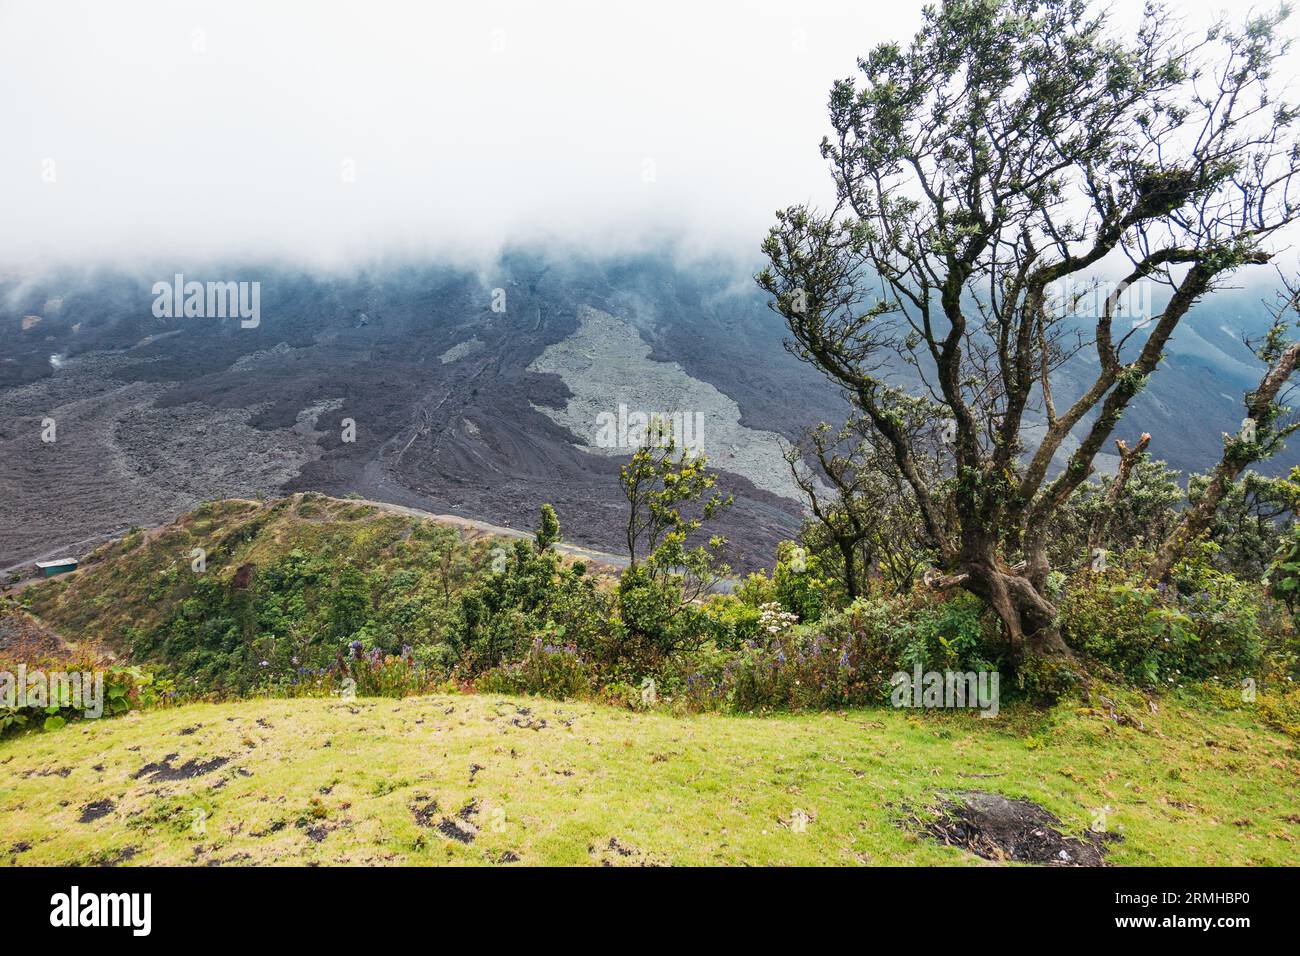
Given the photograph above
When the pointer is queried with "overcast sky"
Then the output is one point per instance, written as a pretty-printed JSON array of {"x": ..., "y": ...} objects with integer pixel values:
[{"x": 330, "y": 132}]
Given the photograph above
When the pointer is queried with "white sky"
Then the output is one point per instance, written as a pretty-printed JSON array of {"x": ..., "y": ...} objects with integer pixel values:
[{"x": 187, "y": 129}]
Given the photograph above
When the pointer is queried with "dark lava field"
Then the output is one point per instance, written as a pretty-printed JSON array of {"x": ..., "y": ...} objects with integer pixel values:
[
  {"x": 153, "y": 415},
  {"x": 455, "y": 406}
]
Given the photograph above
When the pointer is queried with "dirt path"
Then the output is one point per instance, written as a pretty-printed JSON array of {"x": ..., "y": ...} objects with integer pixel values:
[
  {"x": 586, "y": 554},
  {"x": 77, "y": 549},
  {"x": 577, "y": 551}
]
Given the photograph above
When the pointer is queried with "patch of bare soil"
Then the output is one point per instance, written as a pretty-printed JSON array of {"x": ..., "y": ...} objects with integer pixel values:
[
  {"x": 462, "y": 826},
  {"x": 618, "y": 853},
  {"x": 998, "y": 828},
  {"x": 95, "y": 810},
  {"x": 163, "y": 770},
  {"x": 424, "y": 810},
  {"x": 315, "y": 832},
  {"x": 524, "y": 718},
  {"x": 115, "y": 858}
]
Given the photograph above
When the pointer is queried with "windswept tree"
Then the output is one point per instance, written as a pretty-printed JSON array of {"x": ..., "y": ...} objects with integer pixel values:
[{"x": 1014, "y": 147}]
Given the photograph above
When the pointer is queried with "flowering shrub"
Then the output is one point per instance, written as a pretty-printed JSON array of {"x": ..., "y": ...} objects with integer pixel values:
[
  {"x": 552, "y": 670},
  {"x": 386, "y": 675},
  {"x": 360, "y": 672},
  {"x": 774, "y": 622},
  {"x": 847, "y": 660}
]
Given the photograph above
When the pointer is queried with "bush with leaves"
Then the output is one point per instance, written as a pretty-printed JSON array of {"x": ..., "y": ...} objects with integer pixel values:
[
  {"x": 529, "y": 590},
  {"x": 548, "y": 668},
  {"x": 1142, "y": 515},
  {"x": 1283, "y": 574},
  {"x": 123, "y": 689},
  {"x": 737, "y": 620},
  {"x": 658, "y": 608},
  {"x": 1203, "y": 624},
  {"x": 801, "y": 584},
  {"x": 657, "y": 615},
  {"x": 847, "y": 660},
  {"x": 954, "y": 634}
]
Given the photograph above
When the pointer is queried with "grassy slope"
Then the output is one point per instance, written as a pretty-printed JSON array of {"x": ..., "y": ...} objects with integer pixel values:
[
  {"x": 138, "y": 580},
  {"x": 1197, "y": 787}
]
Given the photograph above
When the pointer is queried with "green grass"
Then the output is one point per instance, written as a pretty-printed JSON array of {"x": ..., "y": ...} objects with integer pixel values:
[{"x": 1198, "y": 785}]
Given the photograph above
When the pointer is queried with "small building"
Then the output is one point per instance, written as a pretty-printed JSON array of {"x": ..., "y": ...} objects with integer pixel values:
[{"x": 59, "y": 566}]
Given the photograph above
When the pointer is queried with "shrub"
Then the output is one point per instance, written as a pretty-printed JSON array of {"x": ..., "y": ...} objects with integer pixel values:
[
  {"x": 655, "y": 620},
  {"x": 548, "y": 669},
  {"x": 1284, "y": 573},
  {"x": 620, "y": 694},
  {"x": 361, "y": 672},
  {"x": 1205, "y": 623},
  {"x": 1043, "y": 681},
  {"x": 847, "y": 660},
  {"x": 383, "y": 675},
  {"x": 949, "y": 634},
  {"x": 799, "y": 583},
  {"x": 533, "y": 592},
  {"x": 756, "y": 590},
  {"x": 123, "y": 689},
  {"x": 737, "y": 621}
]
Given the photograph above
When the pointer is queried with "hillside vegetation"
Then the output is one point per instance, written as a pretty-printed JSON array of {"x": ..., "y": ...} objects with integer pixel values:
[{"x": 288, "y": 582}]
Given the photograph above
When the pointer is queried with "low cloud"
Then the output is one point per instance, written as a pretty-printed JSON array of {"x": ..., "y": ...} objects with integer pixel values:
[
  {"x": 331, "y": 132},
  {"x": 324, "y": 132}
]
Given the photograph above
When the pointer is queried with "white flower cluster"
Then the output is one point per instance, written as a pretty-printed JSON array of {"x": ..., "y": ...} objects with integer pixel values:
[{"x": 774, "y": 621}]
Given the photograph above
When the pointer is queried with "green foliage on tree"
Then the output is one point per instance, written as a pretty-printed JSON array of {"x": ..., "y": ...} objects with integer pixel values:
[
  {"x": 533, "y": 592},
  {"x": 548, "y": 528},
  {"x": 670, "y": 496}
]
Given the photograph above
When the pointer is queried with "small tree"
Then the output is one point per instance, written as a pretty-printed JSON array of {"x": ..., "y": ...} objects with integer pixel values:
[
  {"x": 349, "y": 602},
  {"x": 548, "y": 529},
  {"x": 670, "y": 496},
  {"x": 867, "y": 512},
  {"x": 849, "y": 512},
  {"x": 668, "y": 493}
]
